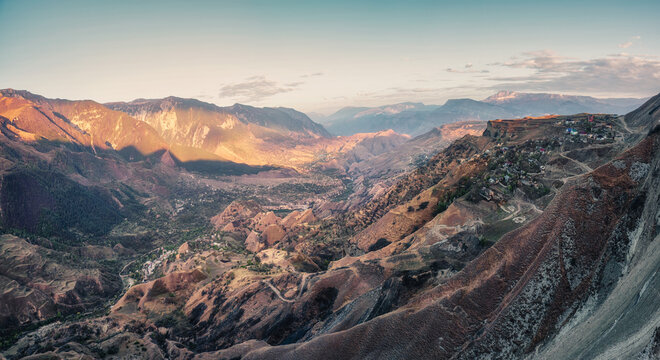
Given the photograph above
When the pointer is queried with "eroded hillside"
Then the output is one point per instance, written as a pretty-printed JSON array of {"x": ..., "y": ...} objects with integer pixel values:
[{"x": 533, "y": 237}]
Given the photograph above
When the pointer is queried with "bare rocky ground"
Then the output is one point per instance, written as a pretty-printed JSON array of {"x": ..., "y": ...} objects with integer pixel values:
[{"x": 524, "y": 242}]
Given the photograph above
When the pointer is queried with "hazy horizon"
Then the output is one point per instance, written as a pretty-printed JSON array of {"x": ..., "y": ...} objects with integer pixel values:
[{"x": 320, "y": 57}]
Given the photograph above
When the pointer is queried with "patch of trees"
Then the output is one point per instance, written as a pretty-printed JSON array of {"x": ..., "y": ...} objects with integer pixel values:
[
  {"x": 463, "y": 187},
  {"x": 48, "y": 203}
]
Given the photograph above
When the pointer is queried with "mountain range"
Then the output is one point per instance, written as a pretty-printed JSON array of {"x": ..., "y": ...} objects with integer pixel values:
[
  {"x": 192, "y": 132},
  {"x": 417, "y": 118},
  {"x": 533, "y": 237}
]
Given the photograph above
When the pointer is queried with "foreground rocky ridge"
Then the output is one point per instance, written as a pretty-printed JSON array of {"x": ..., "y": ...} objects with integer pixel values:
[{"x": 551, "y": 268}]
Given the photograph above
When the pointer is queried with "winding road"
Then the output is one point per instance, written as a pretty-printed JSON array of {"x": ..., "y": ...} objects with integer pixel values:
[
  {"x": 582, "y": 165},
  {"x": 278, "y": 293}
]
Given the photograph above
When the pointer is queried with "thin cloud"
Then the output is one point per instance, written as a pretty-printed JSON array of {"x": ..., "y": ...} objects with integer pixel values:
[
  {"x": 203, "y": 96},
  {"x": 396, "y": 94},
  {"x": 401, "y": 90},
  {"x": 622, "y": 73},
  {"x": 468, "y": 71},
  {"x": 255, "y": 88},
  {"x": 312, "y": 75},
  {"x": 541, "y": 60},
  {"x": 294, "y": 84},
  {"x": 630, "y": 42}
]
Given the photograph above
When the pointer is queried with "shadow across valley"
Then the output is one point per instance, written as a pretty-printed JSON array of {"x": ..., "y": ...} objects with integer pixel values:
[{"x": 203, "y": 166}]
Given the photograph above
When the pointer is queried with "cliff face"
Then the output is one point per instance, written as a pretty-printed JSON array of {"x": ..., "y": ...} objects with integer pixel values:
[
  {"x": 647, "y": 116},
  {"x": 278, "y": 119},
  {"x": 85, "y": 123},
  {"x": 620, "y": 317}
]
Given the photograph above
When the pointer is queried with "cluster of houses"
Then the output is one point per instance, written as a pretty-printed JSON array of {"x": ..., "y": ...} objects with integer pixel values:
[
  {"x": 150, "y": 266},
  {"x": 590, "y": 127},
  {"x": 517, "y": 166},
  {"x": 522, "y": 166}
]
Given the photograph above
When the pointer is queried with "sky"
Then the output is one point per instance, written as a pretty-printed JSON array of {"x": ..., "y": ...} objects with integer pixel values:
[{"x": 319, "y": 56}]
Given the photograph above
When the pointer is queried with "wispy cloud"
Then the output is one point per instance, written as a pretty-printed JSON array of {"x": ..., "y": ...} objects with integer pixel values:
[
  {"x": 294, "y": 84},
  {"x": 467, "y": 69},
  {"x": 255, "y": 88},
  {"x": 417, "y": 94},
  {"x": 630, "y": 42},
  {"x": 312, "y": 75},
  {"x": 621, "y": 73},
  {"x": 412, "y": 91},
  {"x": 204, "y": 96},
  {"x": 626, "y": 44}
]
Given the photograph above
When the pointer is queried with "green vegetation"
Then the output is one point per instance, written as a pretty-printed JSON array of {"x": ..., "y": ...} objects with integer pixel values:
[
  {"x": 346, "y": 192},
  {"x": 420, "y": 160},
  {"x": 47, "y": 203},
  {"x": 215, "y": 167},
  {"x": 493, "y": 232},
  {"x": 305, "y": 188},
  {"x": 484, "y": 242},
  {"x": 256, "y": 266},
  {"x": 464, "y": 185}
]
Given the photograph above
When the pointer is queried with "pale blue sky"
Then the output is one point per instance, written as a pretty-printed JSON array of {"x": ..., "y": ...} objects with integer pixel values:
[{"x": 319, "y": 56}]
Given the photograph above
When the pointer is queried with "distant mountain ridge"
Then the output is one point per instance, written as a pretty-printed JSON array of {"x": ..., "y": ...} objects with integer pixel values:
[
  {"x": 418, "y": 118},
  {"x": 535, "y": 104},
  {"x": 242, "y": 133},
  {"x": 187, "y": 132},
  {"x": 85, "y": 123},
  {"x": 280, "y": 118}
]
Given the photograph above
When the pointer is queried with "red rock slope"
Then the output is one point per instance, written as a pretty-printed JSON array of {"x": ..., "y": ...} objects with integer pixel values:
[{"x": 519, "y": 293}]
